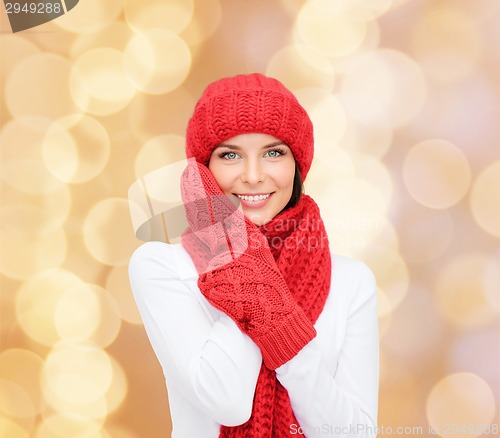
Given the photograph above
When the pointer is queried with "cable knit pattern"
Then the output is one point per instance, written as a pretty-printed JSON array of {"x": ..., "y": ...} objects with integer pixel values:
[
  {"x": 274, "y": 286},
  {"x": 249, "y": 103}
]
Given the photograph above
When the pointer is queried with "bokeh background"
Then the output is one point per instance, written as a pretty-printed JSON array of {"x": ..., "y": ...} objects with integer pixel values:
[{"x": 404, "y": 96}]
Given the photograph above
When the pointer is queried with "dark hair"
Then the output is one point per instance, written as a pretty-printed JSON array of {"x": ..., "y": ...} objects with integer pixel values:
[{"x": 298, "y": 189}]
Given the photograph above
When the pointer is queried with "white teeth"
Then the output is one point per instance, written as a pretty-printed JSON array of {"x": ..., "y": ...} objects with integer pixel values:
[{"x": 254, "y": 198}]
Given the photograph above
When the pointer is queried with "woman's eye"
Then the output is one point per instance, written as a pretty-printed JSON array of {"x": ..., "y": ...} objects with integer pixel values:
[
  {"x": 228, "y": 155},
  {"x": 275, "y": 153}
]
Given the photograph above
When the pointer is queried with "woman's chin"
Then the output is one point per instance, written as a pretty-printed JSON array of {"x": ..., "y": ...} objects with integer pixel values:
[{"x": 256, "y": 218}]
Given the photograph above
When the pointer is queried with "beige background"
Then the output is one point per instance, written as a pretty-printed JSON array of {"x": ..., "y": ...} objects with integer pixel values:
[{"x": 404, "y": 97}]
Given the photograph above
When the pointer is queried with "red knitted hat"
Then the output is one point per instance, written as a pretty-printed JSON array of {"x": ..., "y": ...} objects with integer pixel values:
[{"x": 249, "y": 103}]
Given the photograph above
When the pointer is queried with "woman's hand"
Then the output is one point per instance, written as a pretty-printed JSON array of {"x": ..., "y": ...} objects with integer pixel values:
[
  {"x": 238, "y": 274},
  {"x": 217, "y": 228}
]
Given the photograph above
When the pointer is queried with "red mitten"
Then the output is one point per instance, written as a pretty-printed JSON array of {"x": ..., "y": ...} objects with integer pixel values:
[{"x": 238, "y": 274}]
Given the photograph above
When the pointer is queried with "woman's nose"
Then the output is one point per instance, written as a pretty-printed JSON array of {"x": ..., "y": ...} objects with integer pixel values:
[{"x": 252, "y": 172}]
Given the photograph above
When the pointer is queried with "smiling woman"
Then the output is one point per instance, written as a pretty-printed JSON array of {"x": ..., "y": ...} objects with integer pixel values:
[
  {"x": 257, "y": 168},
  {"x": 261, "y": 331}
]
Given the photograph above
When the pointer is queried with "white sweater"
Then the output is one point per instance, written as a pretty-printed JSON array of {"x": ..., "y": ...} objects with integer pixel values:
[{"x": 211, "y": 367}]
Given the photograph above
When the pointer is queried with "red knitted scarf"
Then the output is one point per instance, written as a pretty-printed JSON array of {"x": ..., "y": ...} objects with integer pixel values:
[{"x": 299, "y": 244}]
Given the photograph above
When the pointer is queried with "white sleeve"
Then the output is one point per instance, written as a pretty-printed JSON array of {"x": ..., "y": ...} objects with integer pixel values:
[
  {"x": 209, "y": 360},
  {"x": 342, "y": 402}
]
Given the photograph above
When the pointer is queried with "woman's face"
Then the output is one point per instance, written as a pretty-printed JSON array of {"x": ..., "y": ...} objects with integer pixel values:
[{"x": 257, "y": 168}]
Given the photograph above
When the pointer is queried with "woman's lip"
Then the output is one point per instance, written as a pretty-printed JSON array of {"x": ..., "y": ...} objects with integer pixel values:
[
  {"x": 252, "y": 194},
  {"x": 255, "y": 204}
]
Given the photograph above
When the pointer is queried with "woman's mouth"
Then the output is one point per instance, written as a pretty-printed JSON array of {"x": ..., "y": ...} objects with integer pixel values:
[{"x": 254, "y": 201}]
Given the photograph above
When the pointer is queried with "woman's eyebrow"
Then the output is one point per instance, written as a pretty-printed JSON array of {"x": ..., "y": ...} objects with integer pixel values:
[
  {"x": 235, "y": 147},
  {"x": 229, "y": 146},
  {"x": 276, "y": 143}
]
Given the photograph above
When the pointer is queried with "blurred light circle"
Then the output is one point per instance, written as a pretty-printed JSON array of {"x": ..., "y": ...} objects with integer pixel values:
[
  {"x": 327, "y": 31},
  {"x": 153, "y": 115},
  {"x": 20, "y": 372},
  {"x": 94, "y": 411},
  {"x": 30, "y": 255},
  {"x": 459, "y": 400},
  {"x": 371, "y": 42},
  {"x": 326, "y": 112},
  {"x": 78, "y": 260},
  {"x": 14, "y": 400},
  {"x": 386, "y": 236},
  {"x": 159, "y": 151},
  {"x": 384, "y": 75},
  {"x": 290, "y": 8},
  {"x": 397, "y": 381},
  {"x": 92, "y": 16},
  {"x": 436, "y": 173},
  {"x": 118, "y": 387},
  {"x": 460, "y": 293},
  {"x": 98, "y": 84},
  {"x": 478, "y": 352},
  {"x": 483, "y": 11},
  {"x": 339, "y": 165},
  {"x": 353, "y": 226},
  {"x": 384, "y": 313},
  {"x": 39, "y": 86},
  {"x": 369, "y": 130},
  {"x": 37, "y": 300},
  {"x": 374, "y": 172},
  {"x": 34, "y": 215},
  {"x": 390, "y": 270},
  {"x": 447, "y": 43},
  {"x": 425, "y": 234},
  {"x": 360, "y": 9},
  {"x": 426, "y": 335},
  {"x": 445, "y": 114},
  {"x": 357, "y": 192},
  {"x": 485, "y": 200},
  {"x": 22, "y": 167},
  {"x": 76, "y": 150},
  {"x": 204, "y": 23},
  {"x": 113, "y": 36},
  {"x": 398, "y": 3},
  {"x": 118, "y": 430},
  {"x": 105, "y": 231},
  {"x": 15, "y": 49},
  {"x": 357, "y": 10},
  {"x": 385, "y": 365},
  {"x": 157, "y": 61},
  {"x": 78, "y": 372},
  {"x": 109, "y": 324},
  {"x": 61, "y": 426},
  {"x": 491, "y": 280},
  {"x": 118, "y": 285},
  {"x": 352, "y": 209},
  {"x": 173, "y": 15},
  {"x": 9, "y": 428},
  {"x": 77, "y": 312},
  {"x": 299, "y": 66}
]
